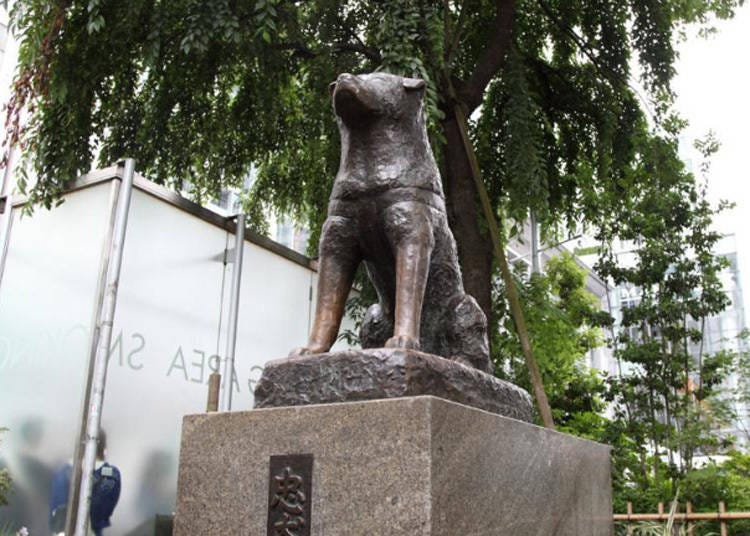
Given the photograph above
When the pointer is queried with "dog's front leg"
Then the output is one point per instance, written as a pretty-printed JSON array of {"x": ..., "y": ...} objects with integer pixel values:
[
  {"x": 409, "y": 230},
  {"x": 339, "y": 258}
]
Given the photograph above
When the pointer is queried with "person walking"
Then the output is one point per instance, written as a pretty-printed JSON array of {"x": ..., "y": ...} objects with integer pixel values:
[{"x": 105, "y": 492}]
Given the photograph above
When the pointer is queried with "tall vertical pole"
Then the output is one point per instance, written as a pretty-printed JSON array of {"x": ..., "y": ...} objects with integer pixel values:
[
  {"x": 74, "y": 489},
  {"x": 6, "y": 223},
  {"x": 104, "y": 339},
  {"x": 536, "y": 265},
  {"x": 6, "y": 208},
  {"x": 234, "y": 306}
]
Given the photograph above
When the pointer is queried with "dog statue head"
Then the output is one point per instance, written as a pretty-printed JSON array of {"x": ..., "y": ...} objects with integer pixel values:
[{"x": 362, "y": 99}]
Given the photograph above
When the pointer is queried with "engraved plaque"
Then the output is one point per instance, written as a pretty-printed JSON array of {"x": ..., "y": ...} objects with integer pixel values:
[{"x": 290, "y": 495}]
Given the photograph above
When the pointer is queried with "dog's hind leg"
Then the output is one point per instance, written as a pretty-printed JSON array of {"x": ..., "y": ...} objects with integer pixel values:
[
  {"x": 465, "y": 331},
  {"x": 377, "y": 325}
]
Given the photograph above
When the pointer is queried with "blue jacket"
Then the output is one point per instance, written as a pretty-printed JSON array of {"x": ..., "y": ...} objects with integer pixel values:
[
  {"x": 58, "y": 496},
  {"x": 104, "y": 495}
]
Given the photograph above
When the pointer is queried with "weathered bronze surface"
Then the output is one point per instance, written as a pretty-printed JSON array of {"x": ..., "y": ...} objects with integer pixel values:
[
  {"x": 387, "y": 209},
  {"x": 290, "y": 495},
  {"x": 353, "y": 375}
]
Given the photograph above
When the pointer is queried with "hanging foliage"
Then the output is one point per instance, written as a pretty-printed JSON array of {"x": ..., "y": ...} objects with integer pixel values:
[{"x": 201, "y": 91}]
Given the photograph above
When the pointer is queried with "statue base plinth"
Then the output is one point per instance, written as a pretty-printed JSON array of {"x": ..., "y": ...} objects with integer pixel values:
[
  {"x": 379, "y": 373},
  {"x": 415, "y": 465}
]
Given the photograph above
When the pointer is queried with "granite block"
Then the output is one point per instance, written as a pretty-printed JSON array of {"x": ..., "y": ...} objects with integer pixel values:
[
  {"x": 499, "y": 476},
  {"x": 402, "y": 466},
  {"x": 378, "y": 373}
]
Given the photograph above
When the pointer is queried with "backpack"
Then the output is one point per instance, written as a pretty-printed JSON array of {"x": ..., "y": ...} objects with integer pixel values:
[{"x": 105, "y": 493}]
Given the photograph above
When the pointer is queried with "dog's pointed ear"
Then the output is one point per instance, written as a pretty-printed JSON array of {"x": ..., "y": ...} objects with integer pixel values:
[
  {"x": 331, "y": 88},
  {"x": 412, "y": 84}
]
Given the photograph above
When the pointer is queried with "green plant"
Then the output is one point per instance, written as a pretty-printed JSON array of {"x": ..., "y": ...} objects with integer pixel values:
[
  {"x": 668, "y": 528},
  {"x": 8, "y": 530},
  {"x": 202, "y": 91},
  {"x": 5, "y": 480},
  {"x": 563, "y": 320},
  {"x": 668, "y": 399},
  {"x": 651, "y": 528}
]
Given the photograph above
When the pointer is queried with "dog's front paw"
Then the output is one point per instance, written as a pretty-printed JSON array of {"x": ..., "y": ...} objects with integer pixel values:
[
  {"x": 299, "y": 352},
  {"x": 402, "y": 341},
  {"x": 308, "y": 350}
]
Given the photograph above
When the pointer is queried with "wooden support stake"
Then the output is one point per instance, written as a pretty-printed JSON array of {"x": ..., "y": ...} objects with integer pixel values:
[
  {"x": 688, "y": 511},
  {"x": 214, "y": 382},
  {"x": 722, "y": 510},
  {"x": 630, "y": 513},
  {"x": 661, "y": 508},
  {"x": 498, "y": 248}
]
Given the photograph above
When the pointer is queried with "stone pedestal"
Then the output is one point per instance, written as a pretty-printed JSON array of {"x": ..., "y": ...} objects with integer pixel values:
[
  {"x": 403, "y": 466},
  {"x": 377, "y": 373}
]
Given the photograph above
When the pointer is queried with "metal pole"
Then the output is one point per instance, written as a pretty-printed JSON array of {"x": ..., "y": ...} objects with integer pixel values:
[
  {"x": 6, "y": 208},
  {"x": 234, "y": 306},
  {"x": 74, "y": 489},
  {"x": 536, "y": 265},
  {"x": 6, "y": 224},
  {"x": 102, "y": 347}
]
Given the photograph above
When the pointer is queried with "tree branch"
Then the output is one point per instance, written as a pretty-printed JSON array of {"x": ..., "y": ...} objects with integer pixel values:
[
  {"x": 298, "y": 49},
  {"x": 612, "y": 76},
  {"x": 450, "y": 50},
  {"x": 372, "y": 54},
  {"x": 492, "y": 57},
  {"x": 303, "y": 51}
]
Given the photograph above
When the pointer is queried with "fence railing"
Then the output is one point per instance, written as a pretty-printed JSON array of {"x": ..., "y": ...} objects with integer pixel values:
[{"x": 687, "y": 517}]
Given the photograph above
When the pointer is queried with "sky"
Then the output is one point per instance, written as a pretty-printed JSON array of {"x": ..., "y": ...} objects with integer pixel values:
[{"x": 713, "y": 93}]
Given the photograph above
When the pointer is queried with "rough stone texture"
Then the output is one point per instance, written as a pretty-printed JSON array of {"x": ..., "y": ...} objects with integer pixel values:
[
  {"x": 385, "y": 373},
  {"x": 497, "y": 476},
  {"x": 416, "y": 466}
]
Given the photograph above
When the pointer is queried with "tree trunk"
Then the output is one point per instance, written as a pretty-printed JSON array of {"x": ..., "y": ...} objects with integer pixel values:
[
  {"x": 497, "y": 244},
  {"x": 474, "y": 245}
]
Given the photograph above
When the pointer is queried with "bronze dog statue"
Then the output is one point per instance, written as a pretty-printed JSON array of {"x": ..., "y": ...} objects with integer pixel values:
[{"x": 387, "y": 209}]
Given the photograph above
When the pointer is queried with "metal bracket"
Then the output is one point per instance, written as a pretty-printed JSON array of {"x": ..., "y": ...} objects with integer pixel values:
[{"x": 225, "y": 257}]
